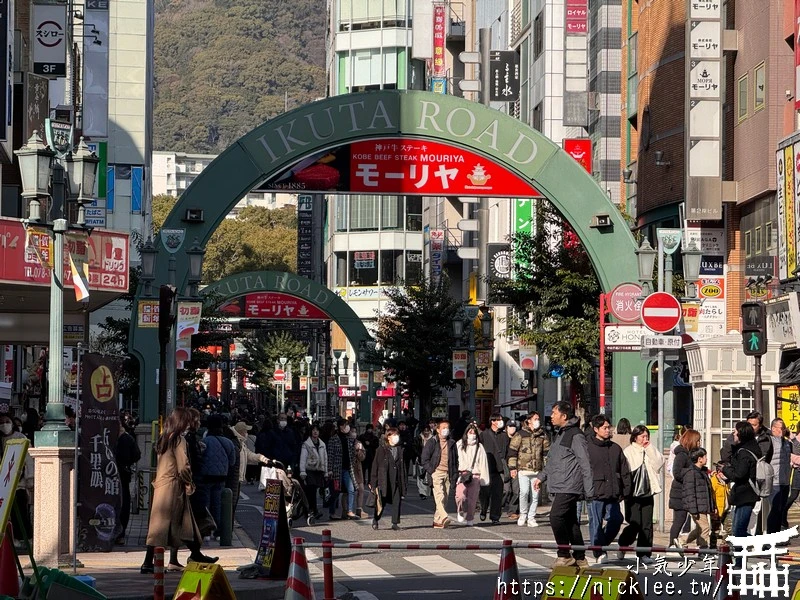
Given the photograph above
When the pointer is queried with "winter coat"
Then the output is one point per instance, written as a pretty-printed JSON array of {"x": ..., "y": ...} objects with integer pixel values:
[
  {"x": 496, "y": 445},
  {"x": 610, "y": 472},
  {"x": 781, "y": 460},
  {"x": 246, "y": 455},
  {"x": 680, "y": 465},
  {"x": 370, "y": 442},
  {"x": 526, "y": 450},
  {"x": 623, "y": 440},
  {"x": 653, "y": 460},
  {"x": 318, "y": 457},
  {"x": 388, "y": 473},
  {"x": 127, "y": 454},
  {"x": 335, "y": 454},
  {"x": 218, "y": 457},
  {"x": 741, "y": 471},
  {"x": 357, "y": 470},
  {"x": 568, "y": 469},
  {"x": 419, "y": 445},
  {"x": 432, "y": 456},
  {"x": 698, "y": 497},
  {"x": 282, "y": 446},
  {"x": 407, "y": 444},
  {"x": 171, "y": 521},
  {"x": 467, "y": 455}
]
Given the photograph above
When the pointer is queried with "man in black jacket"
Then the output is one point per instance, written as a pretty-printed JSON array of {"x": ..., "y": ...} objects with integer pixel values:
[
  {"x": 495, "y": 442},
  {"x": 610, "y": 474},
  {"x": 440, "y": 460}
]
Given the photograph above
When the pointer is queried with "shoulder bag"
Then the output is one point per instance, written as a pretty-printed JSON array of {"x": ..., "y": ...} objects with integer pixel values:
[{"x": 465, "y": 477}]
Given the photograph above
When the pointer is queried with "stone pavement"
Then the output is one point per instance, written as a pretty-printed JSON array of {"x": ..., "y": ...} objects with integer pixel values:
[{"x": 117, "y": 573}]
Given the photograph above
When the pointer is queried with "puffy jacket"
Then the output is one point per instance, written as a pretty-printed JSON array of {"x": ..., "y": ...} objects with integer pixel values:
[
  {"x": 496, "y": 445},
  {"x": 680, "y": 465},
  {"x": 313, "y": 458},
  {"x": 698, "y": 497},
  {"x": 432, "y": 455},
  {"x": 218, "y": 457},
  {"x": 282, "y": 446},
  {"x": 741, "y": 471},
  {"x": 568, "y": 470},
  {"x": 527, "y": 449},
  {"x": 653, "y": 460},
  {"x": 781, "y": 461},
  {"x": 610, "y": 472}
]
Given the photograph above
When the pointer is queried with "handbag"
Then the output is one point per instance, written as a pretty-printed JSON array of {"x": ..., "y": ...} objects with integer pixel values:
[
  {"x": 641, "y": 482},
  {"x": 465, "y": 477},
  {"x": 370, "y": 500}
]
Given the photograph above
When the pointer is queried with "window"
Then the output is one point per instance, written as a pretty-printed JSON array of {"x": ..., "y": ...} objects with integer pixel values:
[
  {"x": 538, "y": 35},
  {"x": 413, "y": 213},
  {"x": 364, "y": 213},
  {"x": 391, "y": 267},
  {"x": 538, "y": 118},
  {"x": 413, "y": 268},
  {"x": 391, "y": 212},
  {"x": 363, "y": 268},
  {"x": 757, "y": 240},
  {"x": 736, "y": 404},
  {"x": 748, "y": 244},
  {"x": 742, "y": 98},
  {"x": 340, "y": 208},
  {"x": 340, "y": 276},
  {"x": 633, "y": 49},
  {"x": 759, "y": 87},
  {"x": 769, "y": 243}
]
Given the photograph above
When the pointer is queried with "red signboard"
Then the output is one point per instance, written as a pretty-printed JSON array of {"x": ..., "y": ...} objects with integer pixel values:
[
  {"x": 581, "y": 150},
  {"x": 577, "y": 17},
  {"x": 279, "y": 375},
  {"x": 439, "y": 20},
  {"x": 661, "y": 312},
  {"x": 272, "y": 305},
  {"x": 404, "y": 166},
  {"x": 624, "y": 303},
  {"x": 385, "y": 393},
  {"x": 108, "y": 256}
]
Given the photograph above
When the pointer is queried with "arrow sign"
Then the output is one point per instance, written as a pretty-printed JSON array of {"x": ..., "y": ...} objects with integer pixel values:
[
  {"x": 466, "y": 253},
  {"x": 469, "y": 85},
  {"x": 468, "y": 225},
  {"x": 661, "y": 312},
  {"x": 470, "y": 57}
]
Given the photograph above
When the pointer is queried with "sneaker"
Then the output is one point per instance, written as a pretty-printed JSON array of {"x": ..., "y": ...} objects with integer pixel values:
[
  {"x": 564, "y": 562},
  {"x": 532, "y": 524},
  {"x": 460, "y": 517},
  {"x": 202, "y": 558},
  {"x": 582, "y": 563},
  {"x": 483, "y": 516},
  {"x": 602, "y": 559},
  {"x": 495, "y": 521},
  {"x": 522, "y": 520},
  {"x": 676, "y": 543},
  {"x": 647, "y": 560},
  {"x": 447, "y": 522},
  {"x": 620, "y": 555},
  {"x": 470, "y": 523}
]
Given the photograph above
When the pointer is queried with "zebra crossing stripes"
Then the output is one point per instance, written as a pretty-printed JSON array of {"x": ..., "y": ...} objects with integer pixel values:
[
  {"x": 521, "y": 562},
  {"x": 361, "y": 569},
  {"x": 436, "y": 565}
]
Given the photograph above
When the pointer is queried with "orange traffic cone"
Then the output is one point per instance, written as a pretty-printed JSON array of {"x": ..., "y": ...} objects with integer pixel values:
[
  {"x": 298, "y": 584},
  {"x": 9, "y": 576},
  {"x": 508, "y": 583}
]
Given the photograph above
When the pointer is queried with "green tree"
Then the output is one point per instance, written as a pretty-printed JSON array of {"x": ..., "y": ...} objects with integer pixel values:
[
  {"x": 554, "y": 294},
  {"x": 264, "y": 349},
  {"x": 414, "y": 333}
]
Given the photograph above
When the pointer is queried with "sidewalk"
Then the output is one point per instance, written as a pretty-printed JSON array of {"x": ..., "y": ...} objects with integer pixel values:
[{"x": 117, "y": 573}]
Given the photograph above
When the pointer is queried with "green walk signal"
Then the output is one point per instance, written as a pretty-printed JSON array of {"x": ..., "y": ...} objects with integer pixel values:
[{"x": 754, "y": 328}]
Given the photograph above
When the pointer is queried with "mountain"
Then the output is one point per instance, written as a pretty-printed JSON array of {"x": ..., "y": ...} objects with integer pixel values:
[{"x": 223, "y": 67}]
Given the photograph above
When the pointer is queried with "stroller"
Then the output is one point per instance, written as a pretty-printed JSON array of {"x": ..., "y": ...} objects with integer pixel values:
[{"x": 294, "y": 497}]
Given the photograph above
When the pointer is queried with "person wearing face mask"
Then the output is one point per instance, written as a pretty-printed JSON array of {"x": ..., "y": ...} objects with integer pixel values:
[
  {"x": 422, "y": 476},
  {"x": 313, "y": 468},
  {"x": 510, "y": 484},
  {"x": 341, "y": 463},
  {"x": 389, "y": 477},
  {"x": 440, "y": 461},
  {"x": 526, "y": 454},
  {"x": 495, "y": 441},
  {"x": 282, "y": 444},
  {"x": 359, "y": 453},
  {"x": 473, "y": 473},
  {"x": 370, "y": 442}
]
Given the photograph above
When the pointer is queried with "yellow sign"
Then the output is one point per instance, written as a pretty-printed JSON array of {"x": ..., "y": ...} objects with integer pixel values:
[
  {"x": 590, "y": 584},
  {"x": 102, "y": 383},
  {"x": 484, "y": 364},
  {"x": 711, "y": 291},
  {"x": 10, "y": 471},
  {"x": 473, "y": 287},
  {"x": 203, "y": 582},
  {"x": 148, "y": 313},
  {"x": 789, "y": 409}
]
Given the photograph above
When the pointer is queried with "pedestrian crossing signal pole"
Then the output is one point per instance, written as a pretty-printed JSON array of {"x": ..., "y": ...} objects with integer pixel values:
[{"x": 754, "y": 343}]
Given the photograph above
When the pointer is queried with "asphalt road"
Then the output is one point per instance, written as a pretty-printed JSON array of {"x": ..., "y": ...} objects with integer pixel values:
[{"x": 460, "y": 574}]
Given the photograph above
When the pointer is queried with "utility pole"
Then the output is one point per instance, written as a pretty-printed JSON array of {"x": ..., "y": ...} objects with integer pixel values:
[{"x": 484, "y": 46}]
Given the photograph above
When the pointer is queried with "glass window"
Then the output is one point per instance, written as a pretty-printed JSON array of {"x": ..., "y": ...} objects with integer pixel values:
[
  {"x": 538, "y": 120},
  {"x": 363, "y": 267},
  {"x": 538, "y": 35},
  {"x": 413, "y": 268},
  {"x": 413, "y": 213},
  {"x": 391, "y": 267},
  {"x": 742, "y": 98},
  {"x": 735, "y": 404},
  {"x": 768, "y": 241},
  {"x": 340, "y": 208},
  {"x": 364, "y": 213},
  {"x": 391, "y": 212},
  {"x": 340, "y": 277},
  {"x": 758, "y": 246},
  {"x": 633, "y": 49},
  {"x": 760, "y": 87},
  {"x": 748, "y": 244}
]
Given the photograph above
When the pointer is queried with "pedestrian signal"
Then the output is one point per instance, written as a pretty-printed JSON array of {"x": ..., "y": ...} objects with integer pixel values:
[{"x": 754, "y": 328}]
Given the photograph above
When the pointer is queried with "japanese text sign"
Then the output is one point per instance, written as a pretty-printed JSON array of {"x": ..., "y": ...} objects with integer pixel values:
[{"x": 439, "y": 35}]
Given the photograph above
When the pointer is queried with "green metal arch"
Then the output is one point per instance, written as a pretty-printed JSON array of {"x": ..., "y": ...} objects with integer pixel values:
[
  {"x": 294, "y": 285},
  {"x": 283, "y": 141}
]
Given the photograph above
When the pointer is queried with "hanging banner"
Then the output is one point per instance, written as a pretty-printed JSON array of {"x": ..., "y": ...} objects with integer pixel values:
[
  {"x": 99, "y": 484},
  {"x": 527, "y": 355},
  {"x": 439, "y": 35},
  {"x": 780, "y": 195},
  {"x": 460, "y": 360},
  {"x": 581, "y": 150},
  {"x": 49, "y": 40},
  {"x": 95, "y": 72},
  {"x": 79, "y": 263},
  {"x": 484, "y": 364},
  {"x": 187, "y": 324},
  {"x": 363, "y": 381}
]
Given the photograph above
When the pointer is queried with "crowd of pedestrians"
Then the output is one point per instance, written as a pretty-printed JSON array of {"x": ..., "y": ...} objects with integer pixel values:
[{"x": 506, "y": 467}]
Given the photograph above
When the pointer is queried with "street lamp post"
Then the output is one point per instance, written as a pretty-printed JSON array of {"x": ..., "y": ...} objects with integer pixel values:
[
  {"x": 646, "y": 256},
  {"x": 42, "y": 176},
  {"x": 466, "y": 318},
  {"x": 308, "y": 361},
  {"x": 282, "y": 400}
]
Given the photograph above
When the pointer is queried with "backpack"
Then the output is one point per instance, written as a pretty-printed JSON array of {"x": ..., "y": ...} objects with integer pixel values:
[{"x": 762, "y": 486}]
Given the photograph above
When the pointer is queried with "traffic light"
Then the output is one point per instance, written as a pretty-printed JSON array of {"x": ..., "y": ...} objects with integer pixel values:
[
  {"x": 754, "y": 328},
  {"x": 166, "y": 313}
]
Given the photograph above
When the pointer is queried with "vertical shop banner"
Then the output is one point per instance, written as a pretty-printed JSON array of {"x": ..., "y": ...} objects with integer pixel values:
[
  {"x": 187, "y": 324},
  {"x": 79, "y": 263},
  {"x": 37, "y": 104},
  {"x": 99, "y": 484},
  {"x": 439, "y": 36},
  {"x": 780, "y": 193},
  {"x": 791, "y": 240},
  {"x": 795, "y": 204},
  {"x": 528, "y": 358},
  {"x": 437, "y": 254},
  {"x": 577, "y": 17},
  {"x": 95, "y": 71},
  {"x": 7, "y": 60},
  {"x": 49, "y": 40},
  {"x": 305, "y": 234},
  {"x": 581, "y": 150},
  {"x": 484, "y": 364},
  {"x": 460, "y": 360}
]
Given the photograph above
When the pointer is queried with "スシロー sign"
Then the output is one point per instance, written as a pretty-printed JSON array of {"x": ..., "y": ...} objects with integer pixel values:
[{"x": 49, "y": 40}]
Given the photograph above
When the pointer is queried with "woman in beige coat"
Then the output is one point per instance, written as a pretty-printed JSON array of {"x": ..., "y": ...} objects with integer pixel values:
[{"x": 172, "y": 523}]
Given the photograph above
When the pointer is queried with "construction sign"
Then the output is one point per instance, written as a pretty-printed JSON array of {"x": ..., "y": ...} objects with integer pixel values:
[
  {"x": 10, "y": 471},
  {"x": 202, "y": 581},
  {"x": 275, "y": 546}
]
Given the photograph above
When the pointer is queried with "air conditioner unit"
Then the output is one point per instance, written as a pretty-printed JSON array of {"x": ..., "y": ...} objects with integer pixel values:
[{"x": 594, "y": 101}]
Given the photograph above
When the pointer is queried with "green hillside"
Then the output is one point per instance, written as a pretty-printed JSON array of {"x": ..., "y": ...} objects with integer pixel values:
[{"x": 223, "y": 67}]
